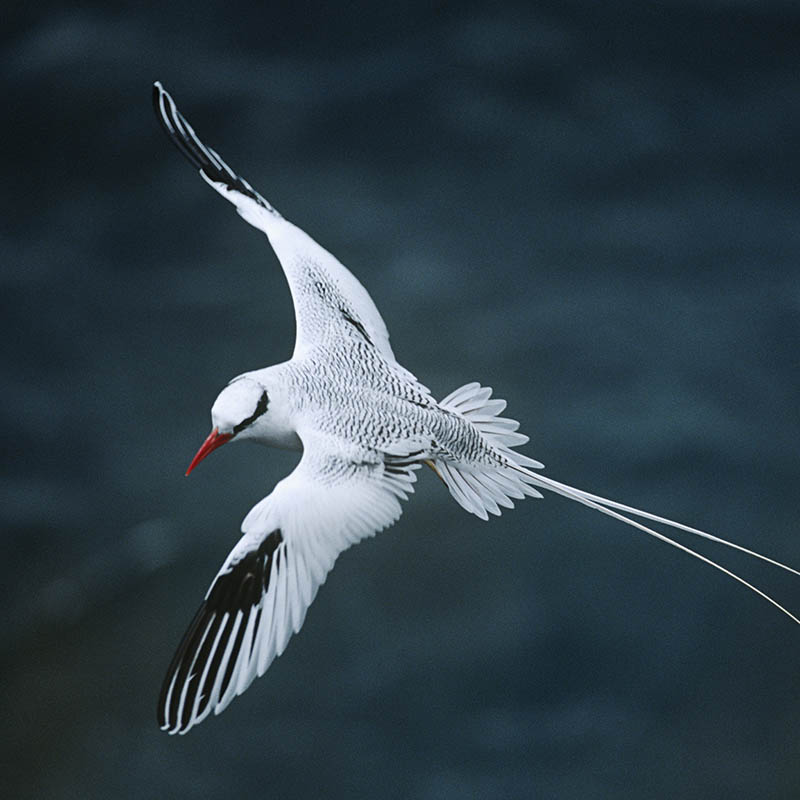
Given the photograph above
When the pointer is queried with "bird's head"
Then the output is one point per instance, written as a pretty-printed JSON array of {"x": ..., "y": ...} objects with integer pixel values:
[{"x": 236, "y": 412}]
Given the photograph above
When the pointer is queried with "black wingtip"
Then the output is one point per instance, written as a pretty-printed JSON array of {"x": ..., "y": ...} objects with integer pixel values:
[
  {"x": 179, "y": 130},
  {"x": 209, "y": 646},
  {"x": 202, "y": 158},
  {"x": 158, "y": 90}
]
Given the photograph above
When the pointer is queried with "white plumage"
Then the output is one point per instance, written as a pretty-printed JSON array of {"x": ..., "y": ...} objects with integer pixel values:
[{"x": 365, "y": 425}]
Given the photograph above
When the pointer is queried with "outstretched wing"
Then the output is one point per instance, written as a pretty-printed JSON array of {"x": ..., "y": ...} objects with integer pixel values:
[
  {"x": 336, "y": 496},
  {"x": 331, "y": 306}
]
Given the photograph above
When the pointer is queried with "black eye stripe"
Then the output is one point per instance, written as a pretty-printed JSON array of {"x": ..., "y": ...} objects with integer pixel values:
[{"x": 261, "y": 407}]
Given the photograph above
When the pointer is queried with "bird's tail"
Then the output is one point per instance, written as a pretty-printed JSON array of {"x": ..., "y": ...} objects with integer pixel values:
[
  {"x": 483, "y": 491},
  {"x": 614, "y": 509}
]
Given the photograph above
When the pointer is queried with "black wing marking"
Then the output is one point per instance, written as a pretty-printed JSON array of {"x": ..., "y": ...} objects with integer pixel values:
[
  {"x": 206, "y": 648},
  {"x": 203, "y": 158},
  {"x": 357, "y": 325}
]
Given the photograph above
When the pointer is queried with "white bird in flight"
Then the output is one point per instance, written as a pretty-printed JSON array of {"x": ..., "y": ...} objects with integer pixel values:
[{"x": 364, "y": 425}]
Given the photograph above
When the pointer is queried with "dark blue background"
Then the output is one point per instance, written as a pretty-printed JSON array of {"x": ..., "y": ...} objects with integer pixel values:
[{"x": 592, "y": 208}]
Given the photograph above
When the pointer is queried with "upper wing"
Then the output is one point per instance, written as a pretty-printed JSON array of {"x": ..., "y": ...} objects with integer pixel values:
[
  {"x": 260, "y": 596},
  {"x": 330, "y": 305}
]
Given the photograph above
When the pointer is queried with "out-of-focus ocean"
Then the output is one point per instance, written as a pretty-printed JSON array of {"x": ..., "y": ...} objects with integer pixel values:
[{"x": 593, "y": 208}]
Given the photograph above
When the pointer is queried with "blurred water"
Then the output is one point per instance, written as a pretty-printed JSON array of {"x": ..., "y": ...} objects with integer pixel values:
[{"x": 592, "y": 209}]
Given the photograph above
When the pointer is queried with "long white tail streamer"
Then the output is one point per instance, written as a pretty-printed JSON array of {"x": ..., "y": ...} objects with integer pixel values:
[
  {"x": 606, "y": 507},
  {"x": 637, "y": 512}
]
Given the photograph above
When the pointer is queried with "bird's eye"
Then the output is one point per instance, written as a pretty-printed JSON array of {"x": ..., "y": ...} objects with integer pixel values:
[{"x": 261, "y": 407}]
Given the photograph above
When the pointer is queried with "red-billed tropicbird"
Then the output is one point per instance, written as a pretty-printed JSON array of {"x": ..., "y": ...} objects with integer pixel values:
[{"x": 364, "y": 424}]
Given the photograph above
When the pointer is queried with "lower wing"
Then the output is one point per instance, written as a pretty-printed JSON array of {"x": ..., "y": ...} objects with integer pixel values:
[{"x": 260, "y": 596}]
